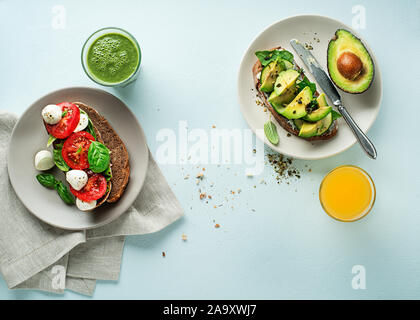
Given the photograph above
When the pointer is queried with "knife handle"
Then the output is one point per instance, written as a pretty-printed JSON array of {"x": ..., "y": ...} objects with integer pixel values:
[{"x": 364, "y": 141}]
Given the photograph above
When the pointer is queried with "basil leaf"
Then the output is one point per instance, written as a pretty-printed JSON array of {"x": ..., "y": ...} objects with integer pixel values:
[
  {"x": 266, "y": 57},
  {"x": 335, "y": 115},
  {"x": 98, "y": 157},
  {"x": 90, "y": 129},
  {"x": 64, "y": 193},
  {"x": 270, "y": 131},
  {"x": 46, "y": 179},
  {"x": 108, "y": 173},
  {"x": 51, "y": 139},
  {"x": 306, "y": 83},
  {"x": 59, "y": 161}
]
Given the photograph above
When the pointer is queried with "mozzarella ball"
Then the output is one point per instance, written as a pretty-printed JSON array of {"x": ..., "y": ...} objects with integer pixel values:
[
  {"x": 85, "y": 206},
  {"x": 77, "y": 179},
  {"x": 52, "y": 114},
  {"x": 44, "y": 160},
  {"x": 83, "y": 122}
]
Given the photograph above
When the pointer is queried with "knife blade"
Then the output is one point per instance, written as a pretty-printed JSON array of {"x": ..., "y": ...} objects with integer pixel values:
[
  {"x": 329, "y": 89},
  {"x": 315, "y": 69}
]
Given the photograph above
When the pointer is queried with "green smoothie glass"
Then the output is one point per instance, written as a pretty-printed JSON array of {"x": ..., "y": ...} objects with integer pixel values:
[{"x": 111, "y": 57}]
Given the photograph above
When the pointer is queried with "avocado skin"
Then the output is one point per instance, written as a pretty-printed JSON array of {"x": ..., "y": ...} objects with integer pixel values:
[{"x": 331, "y": 73}]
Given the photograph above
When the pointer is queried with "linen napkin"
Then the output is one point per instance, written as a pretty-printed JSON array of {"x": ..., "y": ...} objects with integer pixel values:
[{"x": 34, "y": 255}]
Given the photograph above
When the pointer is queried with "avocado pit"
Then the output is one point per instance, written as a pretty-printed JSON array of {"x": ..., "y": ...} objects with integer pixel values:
[{"x": 349, "y": 65}]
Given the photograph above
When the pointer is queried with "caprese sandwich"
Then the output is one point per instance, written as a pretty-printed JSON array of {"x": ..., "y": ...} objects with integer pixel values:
[{"x": 88, "y": 150}]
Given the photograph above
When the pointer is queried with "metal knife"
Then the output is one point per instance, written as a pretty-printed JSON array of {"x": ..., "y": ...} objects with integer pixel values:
[{"x": 329, "y": 89}]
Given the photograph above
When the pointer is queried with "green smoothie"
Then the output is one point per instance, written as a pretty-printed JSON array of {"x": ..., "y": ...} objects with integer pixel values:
[{"x": 112, "y": 58}]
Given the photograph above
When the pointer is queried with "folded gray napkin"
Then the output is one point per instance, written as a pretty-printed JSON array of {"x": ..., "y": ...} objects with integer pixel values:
[{"x": 34, "y": 255}]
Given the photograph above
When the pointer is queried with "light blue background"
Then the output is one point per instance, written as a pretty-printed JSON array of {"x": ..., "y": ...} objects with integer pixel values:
[{"x": 287, "y": 248}]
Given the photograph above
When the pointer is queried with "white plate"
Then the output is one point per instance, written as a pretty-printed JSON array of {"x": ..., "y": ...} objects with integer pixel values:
[
  {"x": 29, "y": 136},
  {"x": 363, "y": 107}
]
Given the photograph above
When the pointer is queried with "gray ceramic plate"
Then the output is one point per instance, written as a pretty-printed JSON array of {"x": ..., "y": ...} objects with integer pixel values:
[{"x": 29, "y": 136}]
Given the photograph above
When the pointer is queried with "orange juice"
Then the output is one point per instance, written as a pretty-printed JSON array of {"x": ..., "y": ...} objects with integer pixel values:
[{"x": 347, "y": 193}]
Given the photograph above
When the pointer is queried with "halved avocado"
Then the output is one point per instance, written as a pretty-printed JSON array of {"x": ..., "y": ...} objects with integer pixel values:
[
  {"x": 285, "y": 80},
  {"x": 269, "y": 75},
  {"x": 297, "y": 108},
  {"x": 278, "y": 101},
  {"x": 321, "y": 112},
  {"x": 349, "y": 63}
]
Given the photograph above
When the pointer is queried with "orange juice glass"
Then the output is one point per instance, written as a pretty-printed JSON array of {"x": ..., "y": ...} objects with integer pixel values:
[{"x": 347, "y": 193}]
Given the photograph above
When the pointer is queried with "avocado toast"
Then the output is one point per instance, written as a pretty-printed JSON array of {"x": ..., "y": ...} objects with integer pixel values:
[{"x": 291, "y": 98}]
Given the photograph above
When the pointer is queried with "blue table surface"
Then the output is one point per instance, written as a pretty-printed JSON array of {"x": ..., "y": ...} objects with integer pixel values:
[{"x": 276, "y": 242}]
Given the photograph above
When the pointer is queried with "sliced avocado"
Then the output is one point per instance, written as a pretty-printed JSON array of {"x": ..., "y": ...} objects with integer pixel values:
[
  {"x": 269, "y": 75},
  {"x": 308, "y": 129},
  {"x": 288, "y": 64},
  {"x": 278, "y": 101},
  {"x": 322, "y": 101},
  {"x": 297, "y": 108},
  {"x": 285, "y": 80},
  {"x": 324, "y": 124},
  {"x": 318, "y": 114},
  {"x": 321, "y": 112},
  {"x": 298, "y": 123},
  {"x": 311, "y": 129},
  {"x": 349, "y": 63}
]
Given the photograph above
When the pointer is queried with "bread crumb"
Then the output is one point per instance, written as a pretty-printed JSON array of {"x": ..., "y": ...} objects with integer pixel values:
[
  {"x": 202, "y": 196},
  {"x": 217, "y": 225}
]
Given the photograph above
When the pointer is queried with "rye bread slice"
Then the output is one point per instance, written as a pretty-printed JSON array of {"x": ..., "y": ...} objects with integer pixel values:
[
  {"x": 120, "y": 165},
  {"x": 283, "y": 121}
]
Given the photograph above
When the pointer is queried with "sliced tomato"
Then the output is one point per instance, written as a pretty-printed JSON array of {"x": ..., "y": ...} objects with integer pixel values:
[
  {"x": 75, "y": 150},
  {"x": 94, "y": 189},
  {"x": 68, "y": 122}
]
